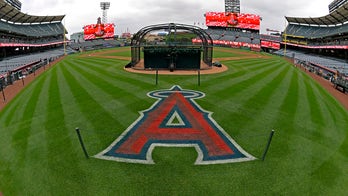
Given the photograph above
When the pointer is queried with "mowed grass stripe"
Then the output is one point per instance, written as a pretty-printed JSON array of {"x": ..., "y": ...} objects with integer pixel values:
[
  {"x": 232, "y": 101},
  {"x": 303, "y": 112},
  {"x": 93, "y": 111},
  {"x": 246, "y": 111},
  {"x": 271, "y": 96},
  {"x": 339, "y": 117},
  {"x": 110, "y": 97},
  {"x": 306, "y": 105},
  {"x": 256, "y": 112},
  {"x": 249, "y": 86},
  {"x": 75, "y": 118},
  {"x": 265, "y": 92},
  {"x": 301, "y": 140},
  {"x": 109, "y": 82},
  {"x": 314, "y": 107},
  {"x": 278, "y": 113},
  {"x": 287, "y": 133},
  {"x": 285, "y": 118},
  {"x": 319, "y": 107},
  {"x": 122, "y": 77},
  {"x": 19, "y": 127},
  {"x": 278, "y": 99},
  {"x": 60, "y": 158},
  {"x": 328, "y": 128},
  {"x": 11, "y": 118},
  {"x": 335, "y": 110},
  {"x": 141, "y": 83},
  {"x": 254, "y": 99},
  {"x": 36, "y": 160},
  {"x": 237, "y": 69},
  {"x": 300, "y": 145},
  {"x": 9, "y": 114},
  {"x": 236, "y": 85},
  {"x": 127, "y": 78},
  {"x": 105, "y": 63},
  {"x": 313, "y": 128},
  {"x": 330, "y": 134},
  {"x": 21, "y": 136},
  {"x": 15, "y": 137}
]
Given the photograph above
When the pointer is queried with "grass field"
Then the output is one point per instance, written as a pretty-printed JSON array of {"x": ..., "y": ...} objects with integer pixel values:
[{"x": 40, "y": 153}]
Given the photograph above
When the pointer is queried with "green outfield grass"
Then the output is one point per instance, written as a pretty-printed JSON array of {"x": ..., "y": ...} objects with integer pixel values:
[
  {"x": 120, "y": 53},
  {"x": 40, "y": 153},
  {"x": 221, "y": 52}
]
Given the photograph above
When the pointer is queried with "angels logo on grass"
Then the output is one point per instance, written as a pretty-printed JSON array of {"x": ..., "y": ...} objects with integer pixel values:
[{"x": 175, "y": 120}]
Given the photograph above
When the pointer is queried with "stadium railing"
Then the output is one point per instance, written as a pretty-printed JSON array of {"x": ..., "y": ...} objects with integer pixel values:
[
  {"x": 330, "y": 63},
  {"x": 15, "y": 68}
]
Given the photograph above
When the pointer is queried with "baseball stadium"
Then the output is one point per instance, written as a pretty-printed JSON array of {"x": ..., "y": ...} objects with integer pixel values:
[{"x": 174, "y": 109}]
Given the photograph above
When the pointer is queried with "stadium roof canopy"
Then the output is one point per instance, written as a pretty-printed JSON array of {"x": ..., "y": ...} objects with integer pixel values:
[
  {"x": 11, "y": 14},
  {"x": 337, "y": 17}
]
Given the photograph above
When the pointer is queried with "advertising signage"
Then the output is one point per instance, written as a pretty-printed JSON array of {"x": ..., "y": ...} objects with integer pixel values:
[
  {"x": 95, "y": 31},
  {"x": 236, "y": 20}
]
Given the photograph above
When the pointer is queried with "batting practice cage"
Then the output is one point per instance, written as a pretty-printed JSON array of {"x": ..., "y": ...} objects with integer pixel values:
[{"x": 170, "y": 46}]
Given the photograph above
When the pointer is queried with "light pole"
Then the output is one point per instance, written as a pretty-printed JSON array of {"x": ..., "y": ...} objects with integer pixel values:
[{"x": 105, "y": 6}]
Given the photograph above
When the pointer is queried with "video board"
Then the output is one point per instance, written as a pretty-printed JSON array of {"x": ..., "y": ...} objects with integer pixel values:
[
  {"x": 236, "y": 20},
  {"x": 95, "y": 31}
]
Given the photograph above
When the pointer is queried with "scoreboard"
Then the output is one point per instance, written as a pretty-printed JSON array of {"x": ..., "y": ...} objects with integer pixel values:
[
  {"x": 236, "y": 20},
  {"x": 95, "y": 31}
]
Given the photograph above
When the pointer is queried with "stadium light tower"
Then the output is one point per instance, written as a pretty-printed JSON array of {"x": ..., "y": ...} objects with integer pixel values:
[
  {"x": 232, "y": 6},
  {"x": 105, "y": 6}
]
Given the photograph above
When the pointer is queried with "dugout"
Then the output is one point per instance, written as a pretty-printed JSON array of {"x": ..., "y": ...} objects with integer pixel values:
[{"x": 175, "y": 52}]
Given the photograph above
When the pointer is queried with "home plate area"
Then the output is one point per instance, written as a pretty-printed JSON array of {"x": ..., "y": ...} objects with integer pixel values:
[{"x": 175, "y": 120}]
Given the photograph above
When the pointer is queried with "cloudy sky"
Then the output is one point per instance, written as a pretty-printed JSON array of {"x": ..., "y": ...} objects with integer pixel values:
[{"x": 132, "y": 15}]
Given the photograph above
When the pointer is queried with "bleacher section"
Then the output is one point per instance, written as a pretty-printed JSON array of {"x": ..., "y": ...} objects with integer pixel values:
[
  {"x": 35, "y": 35},
  {"x": 12, "y": 63},
  {"x": 33, "y": 30},
  {"x": 315, "y": 32},
  {"x": 326, "y": 32},
  {"x": 27, "y": 42},
  {"x": 234, "y": 38},
  {"x": 331, "y": 63},
  {"x": 319, "y": 41},
  {"x": 29, "y": 32},
  {"x": 95, "y": 44}
]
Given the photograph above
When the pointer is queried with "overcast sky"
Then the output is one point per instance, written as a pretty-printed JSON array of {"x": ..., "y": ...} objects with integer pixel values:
[{"x": 135, "y": 14}]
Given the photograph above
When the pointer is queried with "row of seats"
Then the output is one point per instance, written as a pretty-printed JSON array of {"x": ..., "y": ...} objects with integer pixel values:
[
  {"x": 9, "y": 64},
  {"x": 235, "y": 36},
  {"x": 33, "y": 30},
  {"x": 101, "y": 43},
  {"x": 20, "y": 40},
  {"x": 315, "y": 31},
  {"x": 332, "y": 63}
]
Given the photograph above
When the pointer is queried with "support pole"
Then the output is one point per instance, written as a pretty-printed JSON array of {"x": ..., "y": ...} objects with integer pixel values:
[
  {"x": 81, "y": 142},
  {"x": 268, "y": 144},
  {"x": 156, "y": 75},
  {"x": 199, "y": 77},
  {"x": 3, "y": 93},
  {"x": 23, "y": 80}
]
